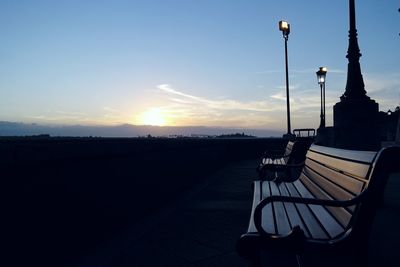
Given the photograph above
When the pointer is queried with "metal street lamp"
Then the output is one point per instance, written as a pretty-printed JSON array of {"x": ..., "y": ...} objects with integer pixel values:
[
  {"x": 284, "y": 27},
  {"x": 321, "y": 76}
]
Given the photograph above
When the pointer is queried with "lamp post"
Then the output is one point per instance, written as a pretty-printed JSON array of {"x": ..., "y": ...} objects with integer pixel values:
[
  {"x": 284, "y": 27},
  {"x": 397, "y": 139},
  {"x": 321, "y": 76}
]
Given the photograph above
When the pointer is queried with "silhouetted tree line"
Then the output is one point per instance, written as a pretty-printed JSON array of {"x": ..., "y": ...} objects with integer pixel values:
[{"x": 235, "y": 135}]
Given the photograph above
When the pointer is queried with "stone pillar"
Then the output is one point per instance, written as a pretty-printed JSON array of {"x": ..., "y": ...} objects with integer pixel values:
[{"x": 356, "y": 124}]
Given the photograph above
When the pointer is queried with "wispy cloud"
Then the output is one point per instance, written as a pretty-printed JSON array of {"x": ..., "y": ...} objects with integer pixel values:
[
  {"x": 269, "y": 111},
  {"x": 279, "y": 96},
  {"x": 222, "y": 104},
  {"x": 168, "y": 89}
]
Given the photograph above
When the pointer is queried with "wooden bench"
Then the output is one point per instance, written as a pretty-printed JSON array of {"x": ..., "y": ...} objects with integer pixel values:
[
  {"x": 274, "y": 164},
  {"x": 331, "y": 205}
]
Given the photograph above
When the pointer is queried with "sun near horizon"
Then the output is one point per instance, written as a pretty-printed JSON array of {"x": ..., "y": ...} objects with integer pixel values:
[{"x": 153, "y": 117}]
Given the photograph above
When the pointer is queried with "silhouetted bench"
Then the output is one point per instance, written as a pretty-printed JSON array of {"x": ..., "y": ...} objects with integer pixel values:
[
  {"x": 277, "y": 164},
  {"x": 331, "y": 206}
]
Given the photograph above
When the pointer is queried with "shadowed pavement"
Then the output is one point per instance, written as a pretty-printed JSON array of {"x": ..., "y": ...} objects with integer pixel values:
[{"x": 201, "y": 228}]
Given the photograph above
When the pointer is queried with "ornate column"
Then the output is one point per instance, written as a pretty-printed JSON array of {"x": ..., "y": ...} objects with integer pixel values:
[
  {"x": 355, "y": 117},
  {"x": 355, "y": 83}
]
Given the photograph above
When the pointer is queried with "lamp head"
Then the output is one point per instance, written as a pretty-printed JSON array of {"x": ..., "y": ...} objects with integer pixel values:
[
  {"x": 284, "y": 27},
  {"x": 321, "y": 75}
]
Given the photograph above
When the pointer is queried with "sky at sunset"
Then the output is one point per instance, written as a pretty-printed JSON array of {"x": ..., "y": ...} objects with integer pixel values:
[{"x": 188, "y": 62}]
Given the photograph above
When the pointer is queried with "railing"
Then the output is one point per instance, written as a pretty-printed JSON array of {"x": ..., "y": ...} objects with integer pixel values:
[{"x": 306, "y": 132}]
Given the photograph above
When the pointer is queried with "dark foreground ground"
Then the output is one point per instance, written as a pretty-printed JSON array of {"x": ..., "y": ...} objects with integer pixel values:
[
  {"x": 130, "y": 202},
  {"x": 65, "y": 197},
  {"x": 201, "y": 228}
]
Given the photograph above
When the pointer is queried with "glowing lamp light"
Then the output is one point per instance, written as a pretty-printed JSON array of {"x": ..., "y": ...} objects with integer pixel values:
[
  {"x": 284, "y": 27},
  {"x": 321, "y": 75}
]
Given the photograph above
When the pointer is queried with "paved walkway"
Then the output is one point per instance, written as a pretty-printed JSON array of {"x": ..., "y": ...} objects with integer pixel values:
[{"x": 201, "y": 229}]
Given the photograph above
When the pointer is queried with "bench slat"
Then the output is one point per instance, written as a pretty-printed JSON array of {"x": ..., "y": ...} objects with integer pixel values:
[
  {"x": 293, "y": 213},
  {"x": 281, "y": 219},
  {"x": 334, "y": 191},
  {"x": 328, "y": 222},
  {"x": 266, "y": 161},
  {"x": 311, "y": 223},
  {"x": 256, "y": 200},
  {"x": 354, "y": 168},
  {"x": 350, "y": 183},
  {"x": 317, "y": 187},
  {"x": 354, "y": 155},
  {"x": 267, "y": 212}
]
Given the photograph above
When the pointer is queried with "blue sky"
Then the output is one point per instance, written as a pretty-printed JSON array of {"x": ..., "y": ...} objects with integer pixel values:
[{"x": 181, "y": 63}]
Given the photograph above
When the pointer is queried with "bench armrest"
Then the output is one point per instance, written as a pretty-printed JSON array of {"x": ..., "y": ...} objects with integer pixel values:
[{"x": 300, "y": 200}]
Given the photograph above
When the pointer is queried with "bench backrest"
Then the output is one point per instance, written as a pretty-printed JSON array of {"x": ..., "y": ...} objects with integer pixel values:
[
  {"x": 339, "y": 174},
  {"x": 297, "y": 151}
]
